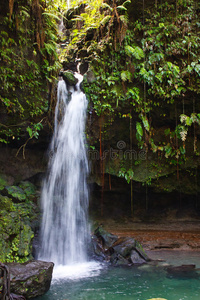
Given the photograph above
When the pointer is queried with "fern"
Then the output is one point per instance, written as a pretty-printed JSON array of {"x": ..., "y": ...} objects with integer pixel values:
[
  {"x": 124, "y": 19},
  {"x": 126, "y": 76},
  {"x": 52, "y": 15},
  {"x": 136, "y": 52},
  {"x": 126, "y": 2},
  {"x": 105, "y": 5},
  {"x": 121, "y": 7},
  {"x": 105, "y": 20},
  {"x": 50, "y": 47}
]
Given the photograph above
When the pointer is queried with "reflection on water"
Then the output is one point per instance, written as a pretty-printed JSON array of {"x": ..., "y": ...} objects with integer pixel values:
[{"x": 135, "y": 283}]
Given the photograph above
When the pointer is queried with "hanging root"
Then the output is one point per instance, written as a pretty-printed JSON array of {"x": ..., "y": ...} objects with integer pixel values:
[{"x": 5, "y": 285}]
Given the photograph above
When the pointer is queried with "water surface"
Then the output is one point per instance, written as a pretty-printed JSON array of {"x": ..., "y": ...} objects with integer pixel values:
[{"x": 135, "y": 283}]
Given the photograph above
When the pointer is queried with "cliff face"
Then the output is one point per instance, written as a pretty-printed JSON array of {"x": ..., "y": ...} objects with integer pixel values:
[
  {"x": 143, "y": 88},
  {"x": 141, "y": 76}
]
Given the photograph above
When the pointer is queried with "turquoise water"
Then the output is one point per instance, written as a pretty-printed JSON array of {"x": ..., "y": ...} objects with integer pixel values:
[{"x": 135, "y": 283}]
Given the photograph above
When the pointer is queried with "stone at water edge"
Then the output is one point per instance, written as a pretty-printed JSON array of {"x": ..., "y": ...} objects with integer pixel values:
[
  {"x": 30, "y": 279},
  {"x": 118, "y": 251},
  {"x": 107, "y": 238},
  {"x": 182, "y": 272}
]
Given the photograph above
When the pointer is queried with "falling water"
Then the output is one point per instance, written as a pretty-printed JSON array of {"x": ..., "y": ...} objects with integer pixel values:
[{"x": 65, "y": 231}]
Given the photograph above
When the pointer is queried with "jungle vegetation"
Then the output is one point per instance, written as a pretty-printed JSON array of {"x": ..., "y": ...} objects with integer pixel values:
[{"x": 143, "y": 90}]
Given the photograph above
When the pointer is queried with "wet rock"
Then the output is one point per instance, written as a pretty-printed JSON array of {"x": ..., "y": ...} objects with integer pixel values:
[
  {"x": 90, "y": 76},
  {"x": 118, "y": 260},
  {"x": 29, "y": 189},
  {"x": 130, "y": 249},
  {"x": 16, "y": 193},
  {"x": 118, "y": 251},
  {"x": 83, "y": 68},
  {"x": 136, "y": 258},
  {"x": 69, "y": 78},
  {"x": 19, "y": 216},
  {"x": 107, "y": 239},
  {"x": 98, "y": 247},
  {"x": 182, "y": 272},
  {"x": 30, "y": 279},
  {"x": 5, "y": 285},
  {"x": 16, "y": 237}
]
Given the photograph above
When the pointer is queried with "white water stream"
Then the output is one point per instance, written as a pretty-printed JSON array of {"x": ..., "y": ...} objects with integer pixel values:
[{"x": 65, "y": 229}]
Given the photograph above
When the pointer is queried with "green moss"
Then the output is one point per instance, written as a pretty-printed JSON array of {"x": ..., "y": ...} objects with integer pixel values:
[
  {"x": 16, "y": 193},
  {"x": 6, "y": 203},
  {"x": 28, "y": 188},
  {"x": 21, "y": 243},
  {"x": 3, "y": 182},
  {"x": 15, "y": 238},
  {"x": 70, "y": 78},
  {"x": 16, "y": 233}
]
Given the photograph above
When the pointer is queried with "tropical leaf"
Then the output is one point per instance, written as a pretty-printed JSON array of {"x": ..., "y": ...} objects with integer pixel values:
[
  {"x": 139, "y": 128},
  {"x": 52, "y": 15},
  {"x": 121, "y": 7},
  {"x": 105, "y": 20},
  {"x": 106, "y": 5},
  {"x": 126, "y": 76},
  {"x": 124, "y": 19},
  {"x": 126, "y": 2},
  {"x": 137, "y": 52}
]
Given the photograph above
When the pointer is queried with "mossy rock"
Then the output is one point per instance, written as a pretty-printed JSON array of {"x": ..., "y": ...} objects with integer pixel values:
[
  {"x": 15, "y": 239},
  {"x": 6, "y": 203},
  {"x": 15, "y": 230},
  {"x": 31, "y": 279},
  {"x": 28, "y": 188},
  {"x": 69, "y": 78},
  {"x": 22, "y": 241},
  {"x": 4, "y": 246},
  {"x": 16, "y": 193},
  {"x": 10, "y": 222}
]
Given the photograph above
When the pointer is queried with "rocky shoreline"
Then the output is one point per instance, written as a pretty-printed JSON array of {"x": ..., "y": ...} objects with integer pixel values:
[{"x": 175, "y": 235}]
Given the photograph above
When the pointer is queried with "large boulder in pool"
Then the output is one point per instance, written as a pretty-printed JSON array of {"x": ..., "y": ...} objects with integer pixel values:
[
  {"x": 118, "y": 251},
  {"x": 182, "y": 272},
  {"x": 30, "y": 279}
]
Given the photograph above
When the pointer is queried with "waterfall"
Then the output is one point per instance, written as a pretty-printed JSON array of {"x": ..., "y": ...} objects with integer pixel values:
[{"x": 65, "y": 230}]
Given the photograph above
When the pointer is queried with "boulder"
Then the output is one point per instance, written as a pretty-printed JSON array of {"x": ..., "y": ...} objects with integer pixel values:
[
  {"x": 19, "y": 217},
  {"x": 16, "y": 193},
  {"x": 30, "y": 279},
  {"x": 69, "y": 78},
  {"x": 118, "y": 251},
  {"x": 182, "y": 272},
  {"x": 16, "y": 234},
  {"x": 5, "y": 285},
  {"x": 29, "y": 189},
  {"x": 107, "y": 239}
]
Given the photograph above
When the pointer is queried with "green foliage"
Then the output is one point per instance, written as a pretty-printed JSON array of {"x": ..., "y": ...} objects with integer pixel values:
[
  {"x": 139, "y": 129},
  {"x": 161, "y": 67},
  {"x": 34, "y": 130},
  {"x": 127, "y": 174},
  {"x": 16, "y": 214},
  {"x": 135, "y": 52},
  {"x": 170, "y": 43},
  {"x": 28, "y": 62}
]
